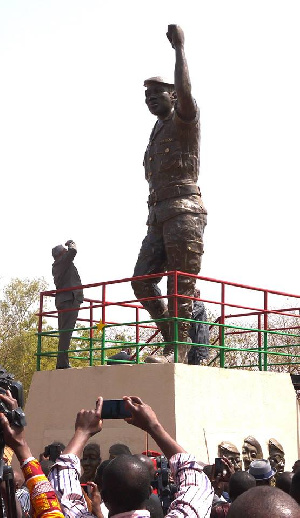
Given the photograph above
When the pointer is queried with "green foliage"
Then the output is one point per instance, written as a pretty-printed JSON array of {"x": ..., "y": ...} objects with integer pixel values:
[{"x": 18, "y": 326}]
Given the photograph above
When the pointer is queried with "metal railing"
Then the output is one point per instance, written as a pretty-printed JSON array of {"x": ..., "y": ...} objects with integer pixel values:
[{"x": 260, "y": 330}]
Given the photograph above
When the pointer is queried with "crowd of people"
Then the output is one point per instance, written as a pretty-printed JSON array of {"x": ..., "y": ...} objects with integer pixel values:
[{"x": 74, "y": 481}]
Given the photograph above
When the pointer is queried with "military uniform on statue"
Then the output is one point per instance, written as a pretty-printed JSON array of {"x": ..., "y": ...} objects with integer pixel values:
[
  {"x": 65, "y": 275},
  {"x": 177, "y": 216}
]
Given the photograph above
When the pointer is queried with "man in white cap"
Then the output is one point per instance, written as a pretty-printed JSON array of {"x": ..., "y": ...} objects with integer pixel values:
[
  {"x": 177, "y": 216},
  {"x": 65, "y": 275}
]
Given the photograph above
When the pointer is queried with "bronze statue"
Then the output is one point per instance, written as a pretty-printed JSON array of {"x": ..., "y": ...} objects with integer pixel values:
[
  {"x": 251, "y": 451},
  {"x": 65, "y": 275},
  {"x": 177, "y": 216},
  {"x": 230, "y": 451},
  {"x": 276, "y": 456}
]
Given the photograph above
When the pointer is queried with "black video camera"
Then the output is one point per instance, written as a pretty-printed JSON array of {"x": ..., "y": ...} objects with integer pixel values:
[
  {"x": 53, "y": 450},
  {"x": 17, "y": 416},
  {"x": 165, "y": 488}
]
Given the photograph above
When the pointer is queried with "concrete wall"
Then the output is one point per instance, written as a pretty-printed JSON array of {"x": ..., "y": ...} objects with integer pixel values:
[
  {"x": 232, "y": 404},
  {"x": 200, "y": 406}
]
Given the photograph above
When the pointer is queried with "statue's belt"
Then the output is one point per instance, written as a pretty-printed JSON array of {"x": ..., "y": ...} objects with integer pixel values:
[{"x": 172, "y": 192}]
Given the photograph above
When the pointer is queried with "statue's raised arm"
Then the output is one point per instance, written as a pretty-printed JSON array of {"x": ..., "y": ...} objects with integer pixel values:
[{"x": 186, "y": 106}]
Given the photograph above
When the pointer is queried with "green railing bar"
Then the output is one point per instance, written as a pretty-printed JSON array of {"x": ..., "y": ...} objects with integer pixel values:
[
  {"x": 221, "y": 347},
  {"x": 162, "y": 344},
  {"x": 131, "y": 324},
  {"x": 265, "y": 358},
  {"x": 39, "y": 350},
  {"x": 282, "y": 346},
  {"x": 103, "y": 346},
  {"x": 269, "y": 365},
  {"x": 175, "y": 341},
  {"x": 264, "y": 331}
]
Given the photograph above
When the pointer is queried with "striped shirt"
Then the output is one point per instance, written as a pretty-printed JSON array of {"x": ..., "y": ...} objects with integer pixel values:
[
  {"x": 193, "y": 499},
  {"x": 22, "y": 494}
]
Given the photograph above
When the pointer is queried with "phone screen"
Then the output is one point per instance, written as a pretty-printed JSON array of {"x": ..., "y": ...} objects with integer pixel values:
[
  {"x": 85, "y": 488},
  {"x": 218, "y": 467},
  {"x": 114, "y": 409}
]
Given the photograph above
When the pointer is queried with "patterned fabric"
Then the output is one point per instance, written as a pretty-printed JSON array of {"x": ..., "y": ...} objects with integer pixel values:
[
  {"x": 193, "y": 500},
  {"x": 43, "y": 499}
]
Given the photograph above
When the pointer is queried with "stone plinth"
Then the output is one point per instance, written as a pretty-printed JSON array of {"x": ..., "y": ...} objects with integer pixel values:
[{"x": 199, "y": 406}]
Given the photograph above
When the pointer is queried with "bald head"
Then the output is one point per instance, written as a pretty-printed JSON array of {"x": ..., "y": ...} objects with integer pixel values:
[
  {"x": 148, "y": 462},
  {"x": 118, "y": 449},
  {"x": 295, "y": 487},
  {"x": 125, "y": 484},
  {"x": 263, "y": 502},
  {"x": 296, "y": 466},
  {"x": 284, "y": 481},
  {"x": 239, "y": 482}
]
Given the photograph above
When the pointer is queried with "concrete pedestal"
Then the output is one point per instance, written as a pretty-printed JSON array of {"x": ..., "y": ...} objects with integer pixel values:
[{"x": 199, "y": 406}]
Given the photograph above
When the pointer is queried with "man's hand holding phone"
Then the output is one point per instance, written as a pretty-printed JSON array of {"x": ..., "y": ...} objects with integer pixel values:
[
  {"x": 89, "y": 422},
  {"x": 142, "y": 414},
  {"x": 223, "y": 469}
]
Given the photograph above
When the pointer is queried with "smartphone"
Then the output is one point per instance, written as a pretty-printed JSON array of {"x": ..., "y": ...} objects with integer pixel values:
[
  {"x": 114, "y": 409},
  {"x": 218, "y": 467},
  {"x": 85, "y": 488}
]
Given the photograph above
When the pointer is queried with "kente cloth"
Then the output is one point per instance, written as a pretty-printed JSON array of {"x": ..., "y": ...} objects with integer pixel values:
[{"x": 44, "y": 502}]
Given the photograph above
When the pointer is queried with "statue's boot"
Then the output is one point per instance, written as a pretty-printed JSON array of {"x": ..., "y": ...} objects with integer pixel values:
[
  {"x": 183, "y": 349},
  {"x": 165, "y": 328},
  {"x": 168, "y": 352}
]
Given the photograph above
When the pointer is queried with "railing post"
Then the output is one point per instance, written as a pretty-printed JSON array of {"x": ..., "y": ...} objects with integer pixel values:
[
  {"x": 265, "y": 330},
  {"x": 103, "y": 322},
  {"x": 175, "y": 322},
  {"x": 137, "y": 335},
  {"x": 259, "y": 341},
  {"x": 91, "y": 334},
  {"x": 103, "y": 346},
  {"x": 222, "y": 330},
  {"x": 40, "y": 327}
]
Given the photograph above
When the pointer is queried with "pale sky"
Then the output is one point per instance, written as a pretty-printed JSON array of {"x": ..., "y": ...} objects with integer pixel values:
[{"x": 74, "y": 128}]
